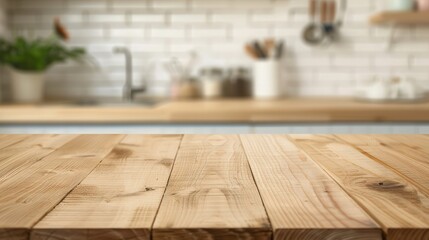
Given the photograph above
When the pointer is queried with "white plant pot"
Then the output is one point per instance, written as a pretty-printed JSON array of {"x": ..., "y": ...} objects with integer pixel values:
[
  {"x": 27, "y": 87},
  {"x": 266, "y": 79}
]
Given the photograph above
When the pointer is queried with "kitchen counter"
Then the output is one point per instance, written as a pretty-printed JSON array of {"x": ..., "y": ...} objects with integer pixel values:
[
  {"x": 221, "y": 111},
  {"x": 214, "y": 187}
]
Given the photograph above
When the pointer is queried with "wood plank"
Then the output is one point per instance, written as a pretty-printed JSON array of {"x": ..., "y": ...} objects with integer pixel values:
[
  {"x": 222, "y": 111},
  {"x": 30, "y": 194},
  {"x": 397, "y": 17},
  {"x": 124, "y": 208},
  {"x": 398, "y": 206},
  {"x": 211, "y": 193},
  {"x": 406, "y": 159},
  {"x": 10, "y": 139},
  {"x": 302, "y": 201},
  {"x": 23, "y": 154}
]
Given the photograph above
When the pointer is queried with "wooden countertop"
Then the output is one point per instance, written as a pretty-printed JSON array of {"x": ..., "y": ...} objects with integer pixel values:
[
  {"x": 297, "y": 187},
  {"x": 222, "y": 111}
]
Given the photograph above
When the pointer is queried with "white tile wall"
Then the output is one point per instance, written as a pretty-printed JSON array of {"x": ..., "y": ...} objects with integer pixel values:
[
  {"x": 3, "y": 32},
  {"x": 158, "y": 29}
]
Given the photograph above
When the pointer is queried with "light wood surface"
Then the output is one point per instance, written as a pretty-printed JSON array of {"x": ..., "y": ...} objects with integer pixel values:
[
  {"x": 211, "y": 194},
  {"x": 7, "y": 140},
  {"x": 222, "y": 111},
  {"x": 400, "y": 207},
  {"x": 22, "y": 155},
  {"x": 406, "y": 17},
  {"x": 298, "y": 187},
  {"x": 405, "y": 158},
  {"x": 288, "y": 179},
  {"x": 29, "y": 194},
  {"x": 122, "y": 194}
]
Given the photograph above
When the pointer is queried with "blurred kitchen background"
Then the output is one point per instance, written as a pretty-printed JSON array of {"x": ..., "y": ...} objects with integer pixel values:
[{"x": 210, "y": 36}]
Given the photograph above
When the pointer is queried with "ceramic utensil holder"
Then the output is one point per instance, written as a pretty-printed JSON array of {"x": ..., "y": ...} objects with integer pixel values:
[{"x": 266, "y": 79}]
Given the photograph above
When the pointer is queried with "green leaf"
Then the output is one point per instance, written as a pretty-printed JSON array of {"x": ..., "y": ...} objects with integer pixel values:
[{"x": 36, "y": 55}]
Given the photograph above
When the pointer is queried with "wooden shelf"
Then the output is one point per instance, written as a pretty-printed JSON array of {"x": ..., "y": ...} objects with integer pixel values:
[{"x": 411, "y": 18}]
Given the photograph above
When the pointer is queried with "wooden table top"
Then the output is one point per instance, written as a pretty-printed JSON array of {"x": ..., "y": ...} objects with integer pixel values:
[
  {"x": 141, "y": 187},
  {"x": 223, "y": 111}
]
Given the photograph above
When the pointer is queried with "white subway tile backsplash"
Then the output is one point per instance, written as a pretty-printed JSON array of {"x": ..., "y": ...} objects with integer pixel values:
[
  {"x": 209, "y": 33},
  {"x": 41, "y": 4},
  {"x": 156, "y": 30},
  {"x": 83, "y": 4},
  {"x": 268, "y": 18},
  {"x": 107, "y": 18},
  {"x": 148, "y": 18},
  {"x": 352, "y": 61},
  {"x": 168, "y": 33},
  {"x": 420, "y": 61},
  {"x": 86, "y": 33},
  {"x": 148, "y": 47},
  {"x": 3, "y": 23},
  {"x": 245, "y": 34},
  {"x": 391, "y": 61},
  {"x": 130, "y": 4},
  {"x": 218, "y": 4},
  {"x": 169, "y": 4},
  {"x": 66, "y": 18},
  {"x": 188, "y": 18},
  {"x": 127, "y": 33}
]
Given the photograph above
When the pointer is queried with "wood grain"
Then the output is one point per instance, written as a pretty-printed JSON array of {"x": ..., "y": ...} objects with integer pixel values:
[
  {"x": 121, "y": 195},
  {"x": 31, "y": 193},
  {"x": 7, "y": 140},
  {"x": 401, "y": 17},
  {"x": 302, "y": 201},
  {"x": 14, "y": 234},
  {"x": 211, "y": 193},
  {"x": 23, "y": 154},
  {"x": 405, "y": 158},
  {"x": 222, "y": 111},
  {"x": 398, "y": 206}
]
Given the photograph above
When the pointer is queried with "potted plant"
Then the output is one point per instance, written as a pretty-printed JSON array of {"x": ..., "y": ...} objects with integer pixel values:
[{"x": 28, "y": 61}]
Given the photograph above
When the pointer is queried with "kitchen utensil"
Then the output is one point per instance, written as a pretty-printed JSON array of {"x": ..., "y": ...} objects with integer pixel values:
[
  {"x": 259, "y": 50},
  {"x": 423, "y": 5},
  {"x": 313, "y": 33},
  {"x": 270, "y": 47},
  {"x": 324, "y": 15},
  {"x": 331, "y": 14},
  {"x": 250, "y": 51},
  {"x": 279, "y": 50}
]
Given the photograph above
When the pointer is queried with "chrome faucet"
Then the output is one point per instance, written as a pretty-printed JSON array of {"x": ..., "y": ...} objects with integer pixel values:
[{"x": 129, "y": 91}]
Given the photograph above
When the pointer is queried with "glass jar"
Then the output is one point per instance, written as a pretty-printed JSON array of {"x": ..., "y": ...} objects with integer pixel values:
[
  {"x": 238, "y": 83},
  {"x": 212, "y": 82}
]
